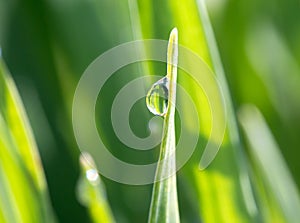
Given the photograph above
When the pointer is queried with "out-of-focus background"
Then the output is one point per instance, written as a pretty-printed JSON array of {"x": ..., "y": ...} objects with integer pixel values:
[{"x": 47, "y": 45}]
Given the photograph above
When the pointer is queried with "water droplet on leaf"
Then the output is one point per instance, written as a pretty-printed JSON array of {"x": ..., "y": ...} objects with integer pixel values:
[
  {"x": 92, "y": 175},
  {"x": 157, "y": 97}
]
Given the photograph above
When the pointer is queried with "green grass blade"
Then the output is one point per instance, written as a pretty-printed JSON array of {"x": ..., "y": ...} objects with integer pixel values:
[
  {"x": 271, "y": 165},
  {"x": 91, "y": 192},
  {"x": 164, "y": 204},
  {"x": 239, "y": 156},
  {"x": 233, "y": 201},
  {"x": 24, "y": 195}
]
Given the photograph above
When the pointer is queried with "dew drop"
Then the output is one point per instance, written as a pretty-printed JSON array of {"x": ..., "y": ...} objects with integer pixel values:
[
  {"x": 92, "y": 175},
  {"x": 157, "y": 97}
]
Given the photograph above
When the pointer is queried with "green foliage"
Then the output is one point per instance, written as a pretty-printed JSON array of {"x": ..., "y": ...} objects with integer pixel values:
[
  {"x": 23, "y": 189},
  {"x": 48, "y": 44},
  {"x": 278, "y": 196},
  {"x": 164, "y": 204},
  {"x": 91, "y": 192}
]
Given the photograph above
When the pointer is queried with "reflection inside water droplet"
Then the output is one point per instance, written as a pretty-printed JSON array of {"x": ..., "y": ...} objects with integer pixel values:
[{"x": 157, "y": 97}]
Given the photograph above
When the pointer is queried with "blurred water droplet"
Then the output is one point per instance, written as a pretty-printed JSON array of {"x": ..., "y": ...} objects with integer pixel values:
[
  {"x": 157, "y": 97},
  {"x": 92, "y": 175}
]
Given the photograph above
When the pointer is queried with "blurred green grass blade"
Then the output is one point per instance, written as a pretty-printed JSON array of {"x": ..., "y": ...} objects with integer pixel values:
[
  {"x": 7, "y": 204},
  {"x": 237, "y": 181},
  {"x": 22, "y": 179},
  {"x": 272, "y": 67},
  {"x": 279, "y": 75},
  {"x": 164, "y": 203},
  {"x": 91, "y": 191},
  {"x": 233, "y": 132},
  {"x": 267, "y": 157}
]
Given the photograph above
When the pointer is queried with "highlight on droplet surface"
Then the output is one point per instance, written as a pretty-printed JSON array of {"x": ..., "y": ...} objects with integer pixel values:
[
  {"x": 92, "y": 175},
  {"x": 157, "y": 97},
  {"x": 88, "y": 165}
]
